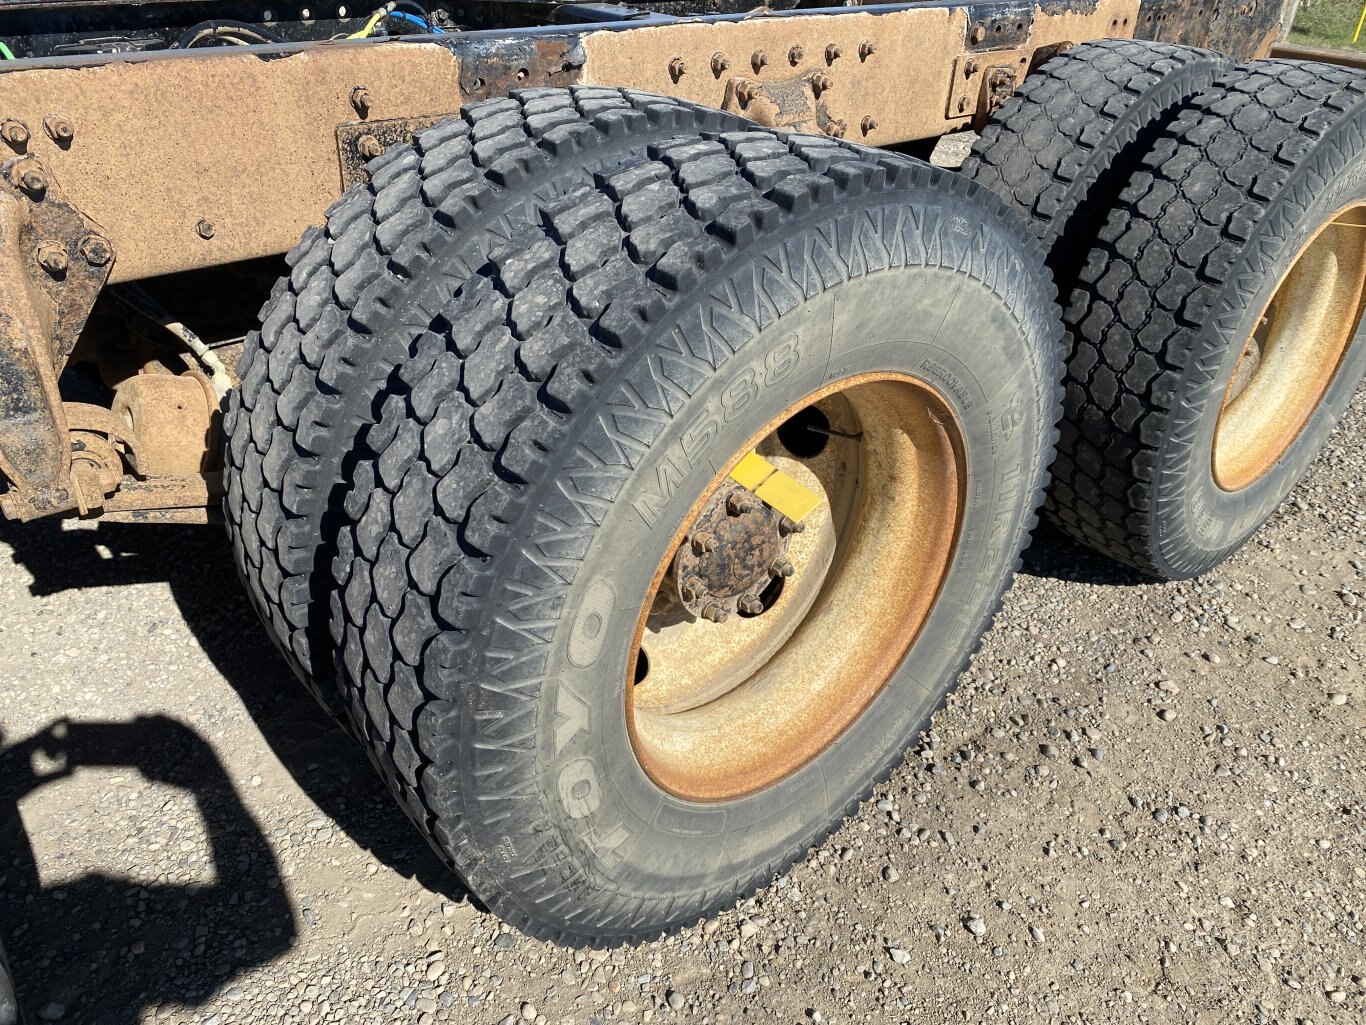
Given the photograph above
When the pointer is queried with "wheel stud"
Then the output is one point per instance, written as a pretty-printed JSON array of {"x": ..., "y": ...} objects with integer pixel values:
[
  {"x": 750, "y": 605},
  {"x": 693, "y": 588},
  {"x": 738, "y": 504},
  {"x": 782, "y": 568},
  {"x": 704, "y": 543},
  {"x": 789, "y": 526},
  {"x": 714, "y": 613}
]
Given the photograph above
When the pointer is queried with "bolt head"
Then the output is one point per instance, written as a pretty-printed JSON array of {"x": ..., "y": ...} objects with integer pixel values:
[
  {"x": 33, "y": 181},
  {"x": 714, "y": 613},
  {"x": 59, "y": 129},
  {"x": 758, "y": 60},
  {"x": 205, "y": 229},
  {"x": 832, "y": 53},
  {"x": 750, "y": 605},
  {"x": 369, "y": 147},
  {"x": 866, "y": 49},
  {"x": 677, "y": 68},
  {"x": 719, "y": 64},
  {"x": 96, "y": 251},
  {"x": 52, "y": 258},
  {"x": 782, "y": 568},
  {"x": 795, "y": 55},
  {"x": 360, "y": 100},
  {"x": 14, "y": 132},
  {"x": 979, "y": 33}
]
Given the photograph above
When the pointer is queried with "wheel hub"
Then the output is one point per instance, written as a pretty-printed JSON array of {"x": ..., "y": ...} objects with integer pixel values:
[{"x": 737, "y": 547}]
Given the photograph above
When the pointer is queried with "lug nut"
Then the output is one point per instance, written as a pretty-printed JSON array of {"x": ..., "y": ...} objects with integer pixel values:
[
  {"x": 205, "y": 229},
  {"x": 866, "y": 49},
  {"x": 750, "y": 605},
  {"x": 96, "y": 251},
  {"x": 979, "y": 33},
  {"x": 714, "y": 612},
  {"x": 704, "y": 543},
  {"x": 789, "y": 526},
  {"x": 369, "y": 147},
  {"x": 14, "y": 132},
  {"x": 360, "y": 100},
  {"x": 782, "y": 568},
  {"x": 795, "y": 55},
  {"x": 758, "y": 60},
  {"x": 738, "y": 504},
  {"x": 836, "y": 129},
  {"x": 832, "y": 53},
  {"x": 744, "y": 92},
  {"x": 677, "y": 68},
  {"x": 693, "y": 588},
  {"x": 719, "y": 64},
  {"x": 52, "y": 258},
  {"x": 59, "y": 129},
  {"x": 820, "y": 82},
  {"x": 867, "y": 124}
]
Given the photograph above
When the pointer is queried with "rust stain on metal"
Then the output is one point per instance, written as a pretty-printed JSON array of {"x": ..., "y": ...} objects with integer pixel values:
[
  {"x": 359, "y": 142},
  {"x": 1243, "y": 29},
  {"x": 902, "y": 57},
  {"x": 242, "y": 143}
]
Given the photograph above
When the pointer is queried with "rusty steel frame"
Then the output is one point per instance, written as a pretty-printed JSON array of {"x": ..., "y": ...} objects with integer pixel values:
[{"x": 116, "y": 168}]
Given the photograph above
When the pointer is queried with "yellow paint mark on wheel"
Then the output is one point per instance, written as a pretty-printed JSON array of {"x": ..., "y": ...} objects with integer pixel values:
[{"x": 776, "y": 489}]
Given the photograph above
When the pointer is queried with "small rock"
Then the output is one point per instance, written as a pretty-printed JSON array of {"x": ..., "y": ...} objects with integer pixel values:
[
  {"x": 675, "y": 999},
  {"x": 975, "y": 925},
  {"x": 1166, "y": 714},
  {"x": 898, "y": 955},
  {"x": 890, "y": 873},
  {"x": 529, "y": 1010},
  {"x": 1337, "y": 698}
]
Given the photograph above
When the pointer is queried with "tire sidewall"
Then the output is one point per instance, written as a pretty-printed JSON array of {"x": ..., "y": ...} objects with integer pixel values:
[
  {"x": 1196, "y": 524},
  {"x": 990, "y": 354}
]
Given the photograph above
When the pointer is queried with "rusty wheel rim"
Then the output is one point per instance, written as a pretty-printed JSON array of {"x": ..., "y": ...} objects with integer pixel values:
[
  {"x": 718, "y": 711},
  {"x": 1294, "y": 352}
]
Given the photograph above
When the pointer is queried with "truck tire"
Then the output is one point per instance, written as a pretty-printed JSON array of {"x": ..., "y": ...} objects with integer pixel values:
[
  {"x": 1062, "y": 147},
  {"x": 361, "y": 291},
  {"x": 1215, "y": 326},
  {"x": 611, "y": 684}
]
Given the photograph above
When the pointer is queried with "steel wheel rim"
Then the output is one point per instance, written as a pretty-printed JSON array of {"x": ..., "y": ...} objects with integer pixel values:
[
  {"x": 718, "y": 711},
  {"x": 1292, "y": 356}
]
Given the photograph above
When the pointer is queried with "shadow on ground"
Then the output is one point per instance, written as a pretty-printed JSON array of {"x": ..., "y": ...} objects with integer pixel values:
[
  {"x": 1053, "y": 555},
  {"x": 105, "y": 947},
  {"x": 327, "y": 765}
]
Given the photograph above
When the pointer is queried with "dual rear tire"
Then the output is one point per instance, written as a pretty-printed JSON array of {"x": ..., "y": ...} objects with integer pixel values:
[
  {"x": 1213, "y": 276},
  {"x": 606, "y": 724}
]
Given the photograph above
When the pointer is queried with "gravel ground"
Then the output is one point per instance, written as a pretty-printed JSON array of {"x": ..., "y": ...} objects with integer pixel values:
[{"x": 1144, "y": 803}]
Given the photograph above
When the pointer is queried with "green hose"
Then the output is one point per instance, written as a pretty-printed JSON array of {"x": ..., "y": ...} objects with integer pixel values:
[{"x": 6, "y": 52}]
